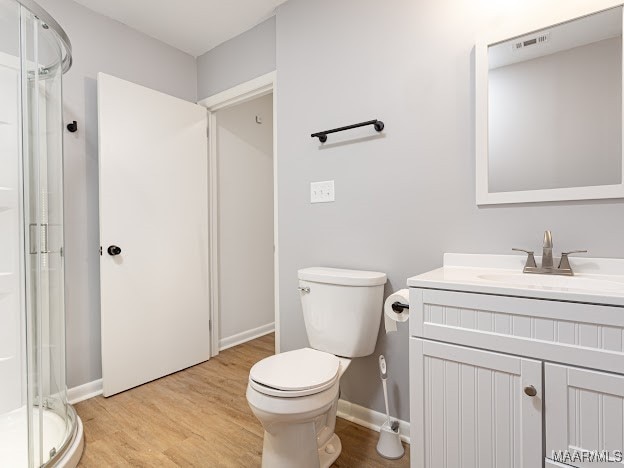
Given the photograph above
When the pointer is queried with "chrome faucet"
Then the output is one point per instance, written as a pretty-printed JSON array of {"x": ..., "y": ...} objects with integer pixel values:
[
  {"x": 547, "y": 267},
  {"x": 547, "y": 260}
]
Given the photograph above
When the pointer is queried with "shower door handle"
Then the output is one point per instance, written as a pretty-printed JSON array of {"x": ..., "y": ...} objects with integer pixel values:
[{"x": 113, "y": 250}]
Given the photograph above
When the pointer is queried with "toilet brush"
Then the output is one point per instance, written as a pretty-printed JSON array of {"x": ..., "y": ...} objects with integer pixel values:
[{"x": 389, "y": 445}]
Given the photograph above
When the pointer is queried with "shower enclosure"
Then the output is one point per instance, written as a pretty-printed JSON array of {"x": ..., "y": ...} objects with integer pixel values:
[{"x": 37, "y": 425}]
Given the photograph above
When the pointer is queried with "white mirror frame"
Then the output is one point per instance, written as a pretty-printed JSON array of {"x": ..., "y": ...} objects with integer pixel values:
[{"x": 565, "y": 11}]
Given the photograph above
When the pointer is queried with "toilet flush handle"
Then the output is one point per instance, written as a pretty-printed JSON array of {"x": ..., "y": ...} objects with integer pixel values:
[{"x": 304, "y": 289}]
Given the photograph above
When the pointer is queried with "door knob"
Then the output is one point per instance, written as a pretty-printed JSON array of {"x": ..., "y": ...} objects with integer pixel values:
[
  {"x": 530, "y": 391},
  {"x": 113, "y": 250}
]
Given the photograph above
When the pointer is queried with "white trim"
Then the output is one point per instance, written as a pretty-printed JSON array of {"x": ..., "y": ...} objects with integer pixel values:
[
  {"x": 84, "y": 392},
  {"x": 243, "y": 92},
  {"x": 549, "y": 17},
  {"x": 275, "y": 225},
  {"x": 246, "y": 336},
  {"x": 252, "y": 89},
  {"x": 213, "y": 235},
  {"x": 369, "y": 418}
]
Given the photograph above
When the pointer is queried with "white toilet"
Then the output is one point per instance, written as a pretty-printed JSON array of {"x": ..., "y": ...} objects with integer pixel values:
[{"x": 295, "y": 394}]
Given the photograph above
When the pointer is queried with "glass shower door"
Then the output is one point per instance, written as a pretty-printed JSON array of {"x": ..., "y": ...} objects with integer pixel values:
[
  {"x": 37, "y": 426},
  {"x": 50, "y": 420}
]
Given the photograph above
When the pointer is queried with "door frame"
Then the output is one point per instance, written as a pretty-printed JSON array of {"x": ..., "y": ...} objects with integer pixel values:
[{"x": 239, "y": 94}]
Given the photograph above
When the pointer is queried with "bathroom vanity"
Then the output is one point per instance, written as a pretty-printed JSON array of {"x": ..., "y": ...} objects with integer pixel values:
[{"x": 516, "y": 370}]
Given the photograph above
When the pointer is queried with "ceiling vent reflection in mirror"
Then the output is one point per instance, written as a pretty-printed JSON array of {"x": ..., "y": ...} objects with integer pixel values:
[{"x": 527, "y": 42}]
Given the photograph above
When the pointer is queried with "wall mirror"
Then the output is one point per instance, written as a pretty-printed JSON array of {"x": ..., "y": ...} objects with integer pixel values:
[{"x": 549, "y": 112}]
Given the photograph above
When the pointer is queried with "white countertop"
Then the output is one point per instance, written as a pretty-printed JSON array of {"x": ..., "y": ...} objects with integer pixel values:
[{"x": 595, "y": 280}]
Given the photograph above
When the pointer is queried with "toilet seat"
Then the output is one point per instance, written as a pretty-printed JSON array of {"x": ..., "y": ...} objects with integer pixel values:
[{"x": 295, "y": 373}]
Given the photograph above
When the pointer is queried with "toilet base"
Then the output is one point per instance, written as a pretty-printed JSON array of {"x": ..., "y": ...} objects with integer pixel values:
[
  {"x": 329, "y": 452},
  {"x": 275, "y": 454}
]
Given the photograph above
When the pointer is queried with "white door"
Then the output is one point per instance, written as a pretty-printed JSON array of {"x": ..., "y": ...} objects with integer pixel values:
[
  {"x": 584, "y": 416},
  {"x": 470, "y": 408},
  {"x": 154, "y": 233}
]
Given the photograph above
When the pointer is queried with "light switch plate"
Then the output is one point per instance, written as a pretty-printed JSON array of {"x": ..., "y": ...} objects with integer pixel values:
[{"x": 322, "y": 192}]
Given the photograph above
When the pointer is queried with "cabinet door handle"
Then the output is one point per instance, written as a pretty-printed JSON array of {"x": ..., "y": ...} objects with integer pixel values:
[{"x": 530, "y": 391}]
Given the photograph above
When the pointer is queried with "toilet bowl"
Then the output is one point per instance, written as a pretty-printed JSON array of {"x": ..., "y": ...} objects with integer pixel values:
[{"x": 295, "y": 394}]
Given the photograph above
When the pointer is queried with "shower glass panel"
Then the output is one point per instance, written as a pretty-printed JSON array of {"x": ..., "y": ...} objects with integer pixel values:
[{"x": 37, "y": 425}]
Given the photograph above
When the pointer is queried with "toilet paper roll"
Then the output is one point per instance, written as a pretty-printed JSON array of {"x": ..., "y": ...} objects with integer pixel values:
[{"x": 391, "y": 317}]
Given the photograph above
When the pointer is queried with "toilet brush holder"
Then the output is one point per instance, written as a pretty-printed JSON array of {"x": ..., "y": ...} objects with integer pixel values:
[{"x": 389, "y": 445}]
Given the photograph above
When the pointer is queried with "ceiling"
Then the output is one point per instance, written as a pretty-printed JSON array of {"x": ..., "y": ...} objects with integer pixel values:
[{"x": 193, "y": 26}]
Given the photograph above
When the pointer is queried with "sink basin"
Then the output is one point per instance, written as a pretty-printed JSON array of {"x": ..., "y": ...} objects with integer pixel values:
[
  {"x": 595, "y": 280},
  {"x": 553, "y": 282}
]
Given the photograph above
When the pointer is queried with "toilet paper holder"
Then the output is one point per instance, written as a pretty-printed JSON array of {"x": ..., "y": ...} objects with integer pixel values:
[{"x": 399, "y": 307}]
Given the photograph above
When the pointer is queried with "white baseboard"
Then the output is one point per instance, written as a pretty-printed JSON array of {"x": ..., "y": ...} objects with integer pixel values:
[
  {"x": 84, "y": 392},
  {"x": 240, "y": 338},
  {"x": 369, "y": 418}
]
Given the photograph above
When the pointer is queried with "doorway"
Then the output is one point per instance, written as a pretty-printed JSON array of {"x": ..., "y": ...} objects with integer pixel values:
[
  {"x": 244, "y": 134},
  {"x": 243, "y": 213}
]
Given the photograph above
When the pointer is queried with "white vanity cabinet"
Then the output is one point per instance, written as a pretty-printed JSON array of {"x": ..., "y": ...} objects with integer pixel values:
[
  {"x": 584, "y": 410},
  {"x": 501, "y": 381},
  {"x": 469, "y": 408}
]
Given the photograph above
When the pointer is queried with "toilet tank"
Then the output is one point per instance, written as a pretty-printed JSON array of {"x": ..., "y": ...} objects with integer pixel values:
[{"x": 342, "y": 309}]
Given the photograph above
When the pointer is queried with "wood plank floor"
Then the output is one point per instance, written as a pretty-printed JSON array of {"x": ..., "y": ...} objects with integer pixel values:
[{"x": 199, "y": 418}]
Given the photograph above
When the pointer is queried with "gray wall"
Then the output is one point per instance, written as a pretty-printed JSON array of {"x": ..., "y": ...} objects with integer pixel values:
[
  {"x": 100, "y": 45},
  {"x": 339, "y": 62},
  {"x": 410, "y": 64},
  {"x": 240, "y": 59},
  {"x": 245, "y": 172}
]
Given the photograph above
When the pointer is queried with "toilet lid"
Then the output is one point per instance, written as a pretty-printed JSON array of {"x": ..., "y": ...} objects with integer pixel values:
[{"x": 301, "y": 369}]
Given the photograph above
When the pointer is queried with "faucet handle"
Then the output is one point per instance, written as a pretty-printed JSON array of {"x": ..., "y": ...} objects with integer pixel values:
[
  {"x": 564, "y": 263},
  {"x": 530, "y": 263},
  {"x": 523, "y": 250},
  {"x": 573, "y": 252}
]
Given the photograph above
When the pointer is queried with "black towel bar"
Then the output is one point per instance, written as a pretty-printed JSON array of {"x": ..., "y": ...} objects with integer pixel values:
[{"x": 322, "y": 136}]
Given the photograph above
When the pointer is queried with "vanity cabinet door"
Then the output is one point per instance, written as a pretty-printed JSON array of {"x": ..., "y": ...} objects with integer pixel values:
[
  {"x": 584, "y": 412},
  {"x": 469, "y": 408}
]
